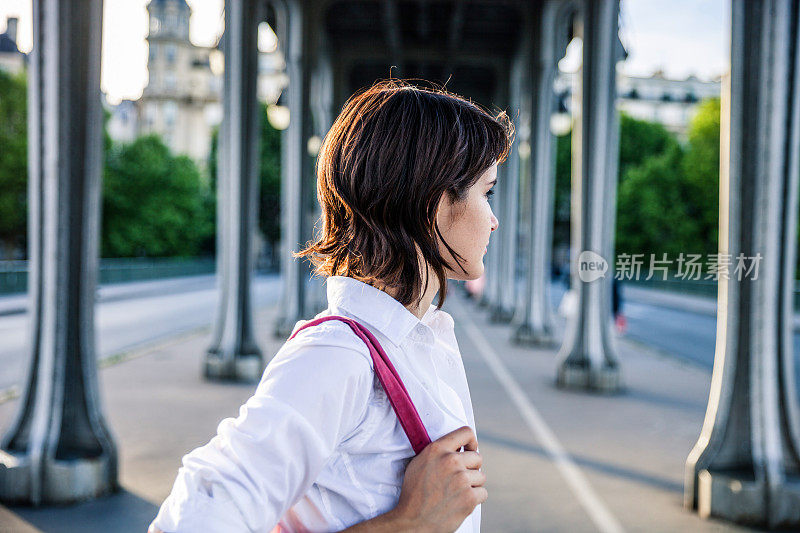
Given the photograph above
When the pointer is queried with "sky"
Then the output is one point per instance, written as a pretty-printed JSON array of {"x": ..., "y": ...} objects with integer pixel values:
[{"x": 681, "y": 37}]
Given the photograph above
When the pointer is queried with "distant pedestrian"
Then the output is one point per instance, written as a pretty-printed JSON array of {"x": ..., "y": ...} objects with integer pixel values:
[
  {"x": 403, "y": 178},
  {"x": 616, "y": 304}
]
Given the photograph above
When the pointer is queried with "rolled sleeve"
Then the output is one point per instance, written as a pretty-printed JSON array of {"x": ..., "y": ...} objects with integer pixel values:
[{"x": 311, "y": 397}]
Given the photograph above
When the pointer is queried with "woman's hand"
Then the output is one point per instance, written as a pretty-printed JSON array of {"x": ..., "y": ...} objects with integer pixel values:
[{"x": 443, "y": 485}]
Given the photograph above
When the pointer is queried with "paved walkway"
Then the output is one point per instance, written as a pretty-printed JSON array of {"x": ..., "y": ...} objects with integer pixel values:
[{"x": 555, "y": 460}]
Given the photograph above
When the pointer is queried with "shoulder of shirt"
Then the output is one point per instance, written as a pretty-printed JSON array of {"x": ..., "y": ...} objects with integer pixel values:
[
  {"x": 328, "y": 334},
  {"x": 446, "y": 317}
]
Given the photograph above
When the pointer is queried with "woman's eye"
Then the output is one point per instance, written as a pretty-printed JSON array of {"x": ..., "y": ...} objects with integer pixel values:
[{"x": 489, "y": 193}]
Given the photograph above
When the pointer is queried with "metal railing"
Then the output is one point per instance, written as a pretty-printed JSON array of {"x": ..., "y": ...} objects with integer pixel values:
[
  {"x": 699, "y": 287},
  {"x": 14, "y": 274}
]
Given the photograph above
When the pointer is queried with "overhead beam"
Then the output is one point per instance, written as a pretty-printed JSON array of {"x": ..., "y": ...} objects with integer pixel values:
[{"x": 391, "y": 22}]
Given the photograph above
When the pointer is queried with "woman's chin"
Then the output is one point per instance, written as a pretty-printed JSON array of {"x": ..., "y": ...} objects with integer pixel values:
[
  {"x": 471, "y": 275},
  {"x": 475, "y": 273}
]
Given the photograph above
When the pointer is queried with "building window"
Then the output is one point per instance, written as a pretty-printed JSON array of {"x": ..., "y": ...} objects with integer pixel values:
[
  {"x": 155, "y": 24},
  {"x": 170, "y": 51},
  {"x": 153, "y": 51},
  {"x": 169, "y": 81},
  {"x": 170, "y": 115},
  {"x": 151, "y": 111}
]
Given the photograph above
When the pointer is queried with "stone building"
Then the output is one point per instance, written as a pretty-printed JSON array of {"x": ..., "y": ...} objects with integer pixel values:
[
  {"x": 182, "y": 93},
  {"x": 11, "y": 59},
  {"x": 182, "y": 100},
  {"x": 656, "y": 98}
]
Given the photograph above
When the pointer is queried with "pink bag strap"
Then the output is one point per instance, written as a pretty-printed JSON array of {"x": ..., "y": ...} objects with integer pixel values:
[{"x": 389, "y": 378}]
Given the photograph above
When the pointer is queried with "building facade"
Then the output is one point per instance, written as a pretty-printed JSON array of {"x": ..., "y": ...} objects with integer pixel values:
[
  {"x": 181, "y": 99},
  {"x": 670, "y": 102},
  {"x": 11, "y": 59}
]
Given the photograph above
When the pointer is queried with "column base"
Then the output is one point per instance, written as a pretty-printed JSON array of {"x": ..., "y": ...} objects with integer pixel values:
[
  {"x": 527, "y": 335},
  {"x": 499, "y": 315},
  {"x": 244, "y": 368},
  {"x": 605, "y": 380},
  {"x": 738, "y": 497},
  {"x": 63, "y": 481}
]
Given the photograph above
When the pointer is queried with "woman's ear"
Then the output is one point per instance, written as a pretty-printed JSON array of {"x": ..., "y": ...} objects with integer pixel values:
[{"x": 444, "y": 211}]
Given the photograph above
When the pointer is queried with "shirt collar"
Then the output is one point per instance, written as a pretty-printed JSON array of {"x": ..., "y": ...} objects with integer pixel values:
[{"x": 376, "y": 308}]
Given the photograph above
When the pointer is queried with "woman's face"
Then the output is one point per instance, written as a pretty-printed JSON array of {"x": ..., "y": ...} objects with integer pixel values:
[{"x": 467, "y": 226}]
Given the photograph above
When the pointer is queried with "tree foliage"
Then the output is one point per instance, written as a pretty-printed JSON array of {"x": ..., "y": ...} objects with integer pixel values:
[
  {"x": 654, "y": 202},
  {"x": 13, "y": 162},
  {"x": 668, "y": 203},
  {"x": 153, "y": 202},
  {"x": 701, "y": 168},
  {"x": 639, "y": 140}
]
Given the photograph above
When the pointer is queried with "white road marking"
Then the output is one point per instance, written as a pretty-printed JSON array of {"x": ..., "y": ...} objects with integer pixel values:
[{"x": 588, "y": 498}]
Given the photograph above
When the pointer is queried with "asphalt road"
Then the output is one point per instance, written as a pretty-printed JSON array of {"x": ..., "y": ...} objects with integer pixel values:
[
  {"x": 688, "y": 335},
  {"x": 130, "y": 315}
]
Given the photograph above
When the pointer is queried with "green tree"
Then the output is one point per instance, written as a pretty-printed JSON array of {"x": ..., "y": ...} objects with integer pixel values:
[
  {"x": 13, "y": 162},
  {"x": 269, "y": 175},
  {"x": 208, "y": 245},
  {"x": 654, "y": 201},
  {"x": 638, "y": 141},
  {"x": 269, "y": 212},
  {"x": 561, "y": 223},
  {"x": 701, "y": 168},
  {"x": 152, "y": 202}
]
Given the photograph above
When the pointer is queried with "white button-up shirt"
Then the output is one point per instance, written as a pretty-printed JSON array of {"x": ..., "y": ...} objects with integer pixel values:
[{"x": 318, "y": 446}]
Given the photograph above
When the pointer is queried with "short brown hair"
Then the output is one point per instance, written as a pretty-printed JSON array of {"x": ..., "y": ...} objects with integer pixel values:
[{"x": 381, "y": 171}]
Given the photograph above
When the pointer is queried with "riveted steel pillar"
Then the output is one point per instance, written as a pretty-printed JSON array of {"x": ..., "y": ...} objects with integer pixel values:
[
  {"x": 59, "y": 449},
  {"x": 503, "y": 262},
  {"x": 322, "y": 118},
  {"x": 508, "y": 282},
  {"x": 533, "y": 324},
  {"x": 233, "y": 354},
  {"x": 745, "y": 466},
  {"x": 508, "y": 286},
  {"x": 297, "y": 176},
  {"x": 587, "y": 358},
  {"x": 492, "y": 260}
]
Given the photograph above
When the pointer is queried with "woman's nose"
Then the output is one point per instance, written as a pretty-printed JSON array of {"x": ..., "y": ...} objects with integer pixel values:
[{"x": 495, "y": 222}]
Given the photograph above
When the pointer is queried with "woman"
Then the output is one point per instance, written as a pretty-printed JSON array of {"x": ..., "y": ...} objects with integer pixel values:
[{"x": 404, "y": 178}]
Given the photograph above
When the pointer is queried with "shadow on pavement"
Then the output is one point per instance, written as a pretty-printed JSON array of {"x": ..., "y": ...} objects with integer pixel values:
[
  {"x": 606, "y": 468},
  {"x": 121, "y": 512}
]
